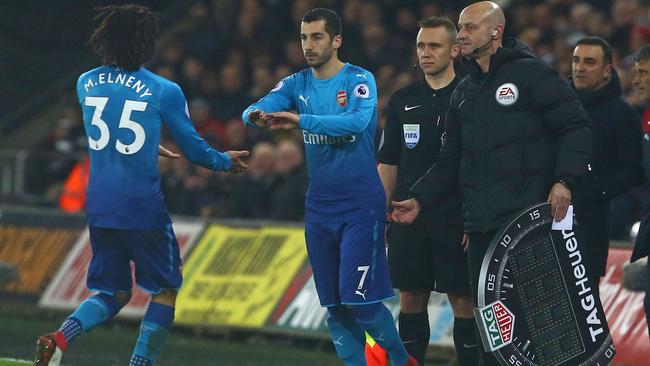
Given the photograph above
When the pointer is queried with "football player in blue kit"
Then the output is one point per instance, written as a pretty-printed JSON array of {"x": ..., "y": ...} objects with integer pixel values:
[
  {"x": 336, "y": 106},
  {"x": 124, "y": 106}
]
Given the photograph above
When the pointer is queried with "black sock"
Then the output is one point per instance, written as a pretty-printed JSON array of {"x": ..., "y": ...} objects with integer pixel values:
[
  {"x": 467, "y": 346},
  {"x": 415, "y": 334}
]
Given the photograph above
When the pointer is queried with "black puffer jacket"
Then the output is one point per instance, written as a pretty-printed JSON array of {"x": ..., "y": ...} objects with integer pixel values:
[
  {"x": 511, "y": 134},
  {"x": 616, "y": 131},
  {"x": 615, "y": 166}
]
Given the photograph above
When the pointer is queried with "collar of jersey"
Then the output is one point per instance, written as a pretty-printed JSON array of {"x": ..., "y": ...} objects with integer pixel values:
[
  {"x": 334, "y": 77},
  {"x": 444, "y": 90}
]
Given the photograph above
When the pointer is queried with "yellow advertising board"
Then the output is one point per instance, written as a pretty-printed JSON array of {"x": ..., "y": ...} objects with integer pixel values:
[
  {"x": 236, "y": 276},
  {"x": 36, "y": 252}
]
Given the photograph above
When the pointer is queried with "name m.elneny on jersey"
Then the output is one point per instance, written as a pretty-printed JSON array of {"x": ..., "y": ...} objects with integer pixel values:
[
  {"x": 118, "y": 78},
  {"x": 587, "y": 300}
]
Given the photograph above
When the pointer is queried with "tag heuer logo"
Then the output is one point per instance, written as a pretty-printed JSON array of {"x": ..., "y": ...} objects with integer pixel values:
[
  {"x": 507, "y": 94},
  {"x": 497, "y": 322},
  {"x": 341, "y": 97}
]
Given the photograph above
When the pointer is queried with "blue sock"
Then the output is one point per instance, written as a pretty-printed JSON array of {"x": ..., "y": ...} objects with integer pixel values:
[
  {"x": 93, "y": 311},
  {"x": 153, "y": 333},
  {"x": 349, "y": 339},
  {"x": 71, "y": 328},
  {"x": 377, "y": 320},
  {"x": 140, "y": 361}
]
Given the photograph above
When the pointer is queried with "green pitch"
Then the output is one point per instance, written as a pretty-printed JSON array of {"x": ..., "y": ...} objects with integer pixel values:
[
  {"x": 10, "y": 362},
  {"x": 112, "y": 344}
]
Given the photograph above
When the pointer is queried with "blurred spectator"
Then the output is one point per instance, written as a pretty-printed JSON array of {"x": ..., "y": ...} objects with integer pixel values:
[
  {"x": 581, "y": 13},
  {"x": 226, "y": 54},
  {"x": 73, "y": 195},
  {"x": 289, "y": 189},
  {"x": 52, "y": 159},
  {"x": 263, "y": 81},
  {"x": 211, "y": 129},
  {"x": 293, "y": 55},
  {"x": 252, "y": 191},
  {"x": 236, "y": 136},
  {"x": 624, "y": 16},
  {"x": 192, "y": 75},
  {"x": 233, "y": 97}
]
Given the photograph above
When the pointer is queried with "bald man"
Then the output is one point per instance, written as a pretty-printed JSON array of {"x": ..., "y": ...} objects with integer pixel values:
[{"x": 516, "y": 135}]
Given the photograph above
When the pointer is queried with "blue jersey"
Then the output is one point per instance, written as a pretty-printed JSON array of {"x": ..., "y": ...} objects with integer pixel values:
[
  {"x": 338, "y": 118},
  {"x": 123, "y": 114}
]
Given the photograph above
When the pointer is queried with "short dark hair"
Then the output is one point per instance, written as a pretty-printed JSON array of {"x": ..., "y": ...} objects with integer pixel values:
[
  {"x": 642, "y": 54},
  {"x": 437, "y": 21},
  {"x": 126, "y": 36},
  {"x": 332, "y": 20},
  {"x": 597, "y": 41}
]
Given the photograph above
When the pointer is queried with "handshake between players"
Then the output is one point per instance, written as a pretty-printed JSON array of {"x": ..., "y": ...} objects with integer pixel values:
[{"x": 275, "y": 120}]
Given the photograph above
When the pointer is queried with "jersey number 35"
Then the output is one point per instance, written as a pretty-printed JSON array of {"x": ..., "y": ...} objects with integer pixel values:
[{"x": 125, "y": 122}]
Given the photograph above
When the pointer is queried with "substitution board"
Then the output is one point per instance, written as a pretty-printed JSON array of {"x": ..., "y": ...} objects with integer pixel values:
[{"x": 536, "y": 304}]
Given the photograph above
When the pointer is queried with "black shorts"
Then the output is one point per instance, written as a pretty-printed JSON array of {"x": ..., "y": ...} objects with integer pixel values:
[{"x": 427, "y": 255}]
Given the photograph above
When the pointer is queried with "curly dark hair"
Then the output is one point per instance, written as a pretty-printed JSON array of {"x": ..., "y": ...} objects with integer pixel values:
[{"x": 126, "y": 36}]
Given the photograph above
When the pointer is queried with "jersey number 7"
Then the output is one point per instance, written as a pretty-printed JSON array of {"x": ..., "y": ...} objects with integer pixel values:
[{"x": 125, "y": 122}]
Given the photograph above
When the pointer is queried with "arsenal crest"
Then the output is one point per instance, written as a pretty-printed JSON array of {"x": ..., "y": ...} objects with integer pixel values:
[{"x": 341, "y": 97}]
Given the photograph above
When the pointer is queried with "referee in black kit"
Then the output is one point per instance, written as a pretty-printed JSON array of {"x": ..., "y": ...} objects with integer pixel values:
[{"x": 427, "y": 255}]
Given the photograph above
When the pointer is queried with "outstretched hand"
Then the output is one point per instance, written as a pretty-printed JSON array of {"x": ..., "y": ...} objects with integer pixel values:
[
  {"x": 405, "y": 212},
  {"x": 238, "y": 166},
  {"x": 258, "y": 118},
  {"x": 282, "y": 120}
]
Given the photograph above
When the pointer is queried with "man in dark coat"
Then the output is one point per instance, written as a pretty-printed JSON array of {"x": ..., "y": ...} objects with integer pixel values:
[
  {"x": 516, "y": 135},
  {"x": 642, "y": 82},
  {"x": 615, "y": 163}
]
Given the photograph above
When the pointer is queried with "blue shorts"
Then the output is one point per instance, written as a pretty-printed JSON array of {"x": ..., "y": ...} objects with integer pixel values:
[
  {"x": 349, "y": 262},
  {"x": 155, "y": 254}
]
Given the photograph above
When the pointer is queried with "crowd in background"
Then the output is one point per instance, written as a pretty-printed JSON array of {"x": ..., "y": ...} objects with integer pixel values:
[{"x": 226, "y": 54}]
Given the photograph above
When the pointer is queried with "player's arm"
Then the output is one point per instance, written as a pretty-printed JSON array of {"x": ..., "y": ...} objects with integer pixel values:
[
  {"x": 166, "y": 153},
  {"x": 564, "y": 115},
  {"x": 440, "y": 179},
  {"x": 388, "y": 176},
  {"x": 390, "y": 153},
  {"x": 362, "y": 99},
  {"x": 174, "y": 110},
  {"x": 280, "y": 98},
  {"x": 442, "y": 176}
]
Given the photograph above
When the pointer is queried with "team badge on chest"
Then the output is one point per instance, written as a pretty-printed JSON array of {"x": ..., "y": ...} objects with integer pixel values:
[
  {"x": 341, "y": 97},
  {"x": 411, "y": 135}
]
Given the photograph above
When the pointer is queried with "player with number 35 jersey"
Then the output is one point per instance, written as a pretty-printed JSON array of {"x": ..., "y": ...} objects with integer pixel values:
[
  {"x": 123, "y": 115},
  {"x": 124, "y": 106}
]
